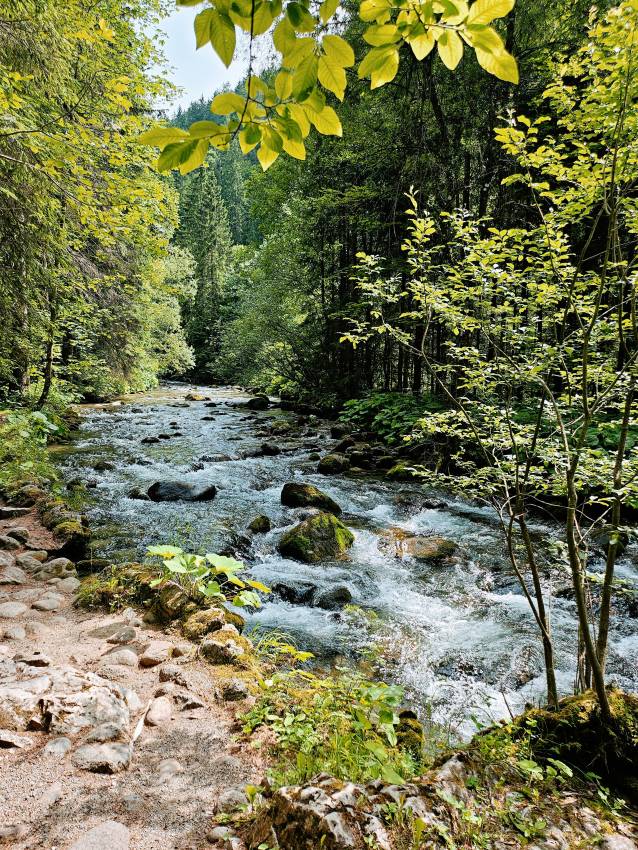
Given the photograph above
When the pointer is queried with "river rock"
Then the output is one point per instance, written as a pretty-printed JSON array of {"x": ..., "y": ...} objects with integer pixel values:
[
  {"x": 14, "y": 633},
  {"x": 8, "y": 543},
  {"x": 333, "y": 598},
  {"x": 258, "y": 403},
  {"x": 234, "y": 690},
  {"x": 10, "y": 740},
  {"x": 147, "y": 441},
  {"x": 225, "y": 646},
  {"x": 139, "y": 494},
  {"x": 260, "y": 525},
  {"x": 56, "y": 568},
  {"x": 177, "y": 491},
  {"x": 173, "y": 673},
  {"x": 196, "y": 397},
  {"x": 49, "y": 602},
  {"x": 318, "y": 538},
  {"x": 332, "y": 464},
  {"x": 429, "y": 548},
  {"x": 270, "y": 449},
  {"x": 123, "y": 636},
  {"x": 298, "y": 594},
  {"x": 58, "y": 747},
  {"x": 69, "y": 584},
  {"x": 297, "y": 495},
  {"x": 8, "y": 560}
]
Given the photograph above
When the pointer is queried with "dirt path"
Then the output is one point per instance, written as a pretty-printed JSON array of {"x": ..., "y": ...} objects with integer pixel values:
[{"x": 83, "y": 689}]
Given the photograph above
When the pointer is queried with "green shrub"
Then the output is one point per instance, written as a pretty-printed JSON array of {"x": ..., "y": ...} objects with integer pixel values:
[{"x": 392, "y": 416}]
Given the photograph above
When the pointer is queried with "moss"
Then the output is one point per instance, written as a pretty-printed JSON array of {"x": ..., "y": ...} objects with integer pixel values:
[
  {"x": 577, "y": 734},
  {"x": 296, "y": 495},
  {"x": 402, "y": 472},
  {"x": 260, "y": 525},
  {"x": 318, "y": 538}
]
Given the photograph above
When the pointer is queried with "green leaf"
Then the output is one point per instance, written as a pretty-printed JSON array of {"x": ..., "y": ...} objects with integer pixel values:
[
  {"x": 390, "y": 775},
  {"x": 327, "y": 9},
  {"x": 300, "y": 17},
  {"x": 332, "y": 76},
  {"x": 305, "y": 78},
  {"x": 501, "y": 65},
  {"x": 262, "y": 18},
  {"x": 485, "y": 11},
  {"x": 249, "y": 138},
  {"x": 224, "y": 104},
  {"x": 266, "y": 156},
  {"x": 283, "y": 85},
  {"x": 162, "y": 136},
  {"x": 204, "y": 129},
  {"x": 380, "y": 34},
  {"x": 257, "y": 585},
  {"x": 164, "y": 551},
  {"x": 338, "y": 50},
  {"x": 284, "y": 36},
  {"x": 196, "y": 158},
  {"x": 375, "y": 10},
  {"x": 300, "y": 50}
]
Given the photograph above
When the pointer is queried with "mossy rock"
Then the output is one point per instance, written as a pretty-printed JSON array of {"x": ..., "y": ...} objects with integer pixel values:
[
  {"x": 171, "y": 603},
  {"x": 296, "y": 495},
  {"x": 334, "y": 463},
  {"x": 577, "y": 734},
  {"x": 410, "y": 733},
  {"x": 260, "y": 525},
  {"x": 402, "y": 472},
  {"x": 201, "y": 623},
  {"x": 319, "y": 538}
]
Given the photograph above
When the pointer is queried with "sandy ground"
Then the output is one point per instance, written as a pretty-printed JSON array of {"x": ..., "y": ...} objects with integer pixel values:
[{"x": 178, "y": 771}]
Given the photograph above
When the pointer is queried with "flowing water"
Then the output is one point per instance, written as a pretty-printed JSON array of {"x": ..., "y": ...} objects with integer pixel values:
[{"x": 459, "y": 637}]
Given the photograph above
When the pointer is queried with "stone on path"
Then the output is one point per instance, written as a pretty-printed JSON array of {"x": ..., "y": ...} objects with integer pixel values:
[
  {"x": 159, "y": 712},
  {"x": 126, "y": 657},
  {"x": 125, "y": 635},
  {"x": 234, "y": 689},
  {"x": 68, "y": 585},
  {"x": 58, "y": 747},
  {"x": 14, "y": 633},
  {"x": 11, "y": 610},
  {"x": 8, "y": 543},
  {"x": 157, "y": 652},
  {"x": 49, "y": 602},
  {"x": 12, "y": 575},
  {"x": 103, "y": 758},
  {"x": 7, "y": 560},
  {"x": 13, "y": 513},
  {"x": 109, "y": 835},
  {"x": 19, "y": 533},
  {"x": 9, "y": 740},
  {"x": 618, "y": 842}
]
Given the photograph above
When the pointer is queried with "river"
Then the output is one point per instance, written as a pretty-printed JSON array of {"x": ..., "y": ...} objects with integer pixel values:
[{"x": 458, "y": 637}]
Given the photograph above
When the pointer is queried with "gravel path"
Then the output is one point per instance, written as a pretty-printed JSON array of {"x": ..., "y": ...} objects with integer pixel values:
[{"x": 184, "y": 767}]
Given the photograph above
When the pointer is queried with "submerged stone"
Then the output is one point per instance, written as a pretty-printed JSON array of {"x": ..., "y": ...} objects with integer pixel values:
[{"x": 179, "y": 491}]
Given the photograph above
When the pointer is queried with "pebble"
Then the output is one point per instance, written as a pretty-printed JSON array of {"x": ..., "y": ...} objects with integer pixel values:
[
  {"x": 159, "y": 712},
  {"x": 109, "y": 835},
  {"x": 126, "y": 657},
  {"x": 10, "y": 610},
  {"x": 103, "y": 758},
  {"x": 156, "y": 653},
  {"x": 58, "y": 747}
]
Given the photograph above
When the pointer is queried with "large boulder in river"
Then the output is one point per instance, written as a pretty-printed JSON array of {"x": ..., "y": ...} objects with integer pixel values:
[
  {"x": 333, "y": 464},
  {"x": 180, "y": 491},
  {"x": 260, "y": 402},
  {"x": 318, "y": 538},
  {"x": 296, "y": 495}
]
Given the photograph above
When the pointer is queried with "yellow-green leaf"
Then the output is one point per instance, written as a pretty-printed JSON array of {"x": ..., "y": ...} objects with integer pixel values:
[
  {"x": 196, "y": 158},
  {"x": 305, "y": 78},
  {"x": 501, "y": 64},
  {"x": 300, "y": 17},
  {"x": 162, "y": 136},
  {"x": 327, "y": 9},
  {"x": 380, "y": 34},
  {"x": 284, "y": 36},
  {"x": 422, "y": 43},
  {"x": 249, "y": 138},
  {"x": 266, "y": 156},
  {"x": 338, "y": 50},
  {"x": 450, "y": 49},
  {"x": 175, "y": 154},
  {"x": 373, "y": 60},
  {"x": 204, "y": 129},
  {"x": 283, "y": 85},
  {"x": 375, "y": 10},
  {"x": 202, "y": 27},
  {"x": 298, "y": 113},
  {"x": 222, "y": 36},
  {"x": 386, "y": 72},
  {"x": 224, "y": 104},
  {"x": 485, "y": 11},
  {"x": 332, "y": 76},
  {"x": 262, "y": 18},
  {"x": 326, "y": 122},
  {"x": 300, "y": 50}
]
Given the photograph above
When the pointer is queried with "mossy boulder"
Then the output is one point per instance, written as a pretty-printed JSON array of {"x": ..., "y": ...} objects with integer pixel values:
[
  {"x": 402, "y": 472},
  {"x": 260, "y": 402},
  {"x": 260, "y": 525},
  {"x": 296, "y": 495},
  {"x": 226, "y": 646},
  {"x": 171, "y": 603},
  {"x": 318, "y": 538},
  {"x": 196, "y": 626},
  {"x": 333, "y": 464}
]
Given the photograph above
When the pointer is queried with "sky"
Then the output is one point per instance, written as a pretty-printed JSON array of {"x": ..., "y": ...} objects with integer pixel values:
[{"x": 198, "y": 72}]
